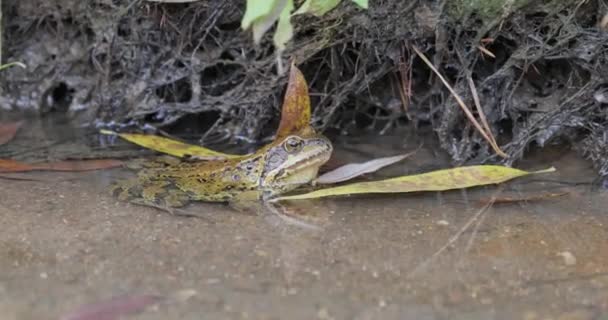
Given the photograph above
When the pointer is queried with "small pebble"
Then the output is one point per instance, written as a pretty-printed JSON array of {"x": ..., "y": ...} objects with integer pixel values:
[
  {"x": 569, "y": 258},
  {"x": 443, "y": 223}
]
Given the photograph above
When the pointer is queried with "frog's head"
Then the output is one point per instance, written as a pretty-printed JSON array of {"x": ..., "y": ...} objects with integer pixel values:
[{"x": 294, "y": 160}]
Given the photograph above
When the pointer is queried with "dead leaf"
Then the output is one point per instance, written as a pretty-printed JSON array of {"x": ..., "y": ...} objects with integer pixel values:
[
  {"x": 114, "y": 308},
  {"x": 8, "y": 131},
  {"x": 7, "y": 165},
  {"x": 353, "y": 170},
  {"x": 440, "y": 180},
  {"x": 171, "y": 147},
  {"x": 295, "y": 113}
]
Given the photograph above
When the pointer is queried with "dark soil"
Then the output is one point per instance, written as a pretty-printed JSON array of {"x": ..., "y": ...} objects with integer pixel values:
[{"x": 189, "y": 68}]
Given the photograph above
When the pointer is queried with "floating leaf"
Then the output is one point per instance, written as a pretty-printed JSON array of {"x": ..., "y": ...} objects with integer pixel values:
[
  {"x": 295, "y": 113},
  {"x": 171, "y": 147},
  {"x": 7, "y": 165},
  {"x": 353, "y": 170},
  {"x": 114, "y": 308},
  {"x": 8, "y": 131},
  {"x": 440, "y": 180}
]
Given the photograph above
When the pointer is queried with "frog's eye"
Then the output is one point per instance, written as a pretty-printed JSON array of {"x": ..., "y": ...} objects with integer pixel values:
[{"x": 293, "y": 144}]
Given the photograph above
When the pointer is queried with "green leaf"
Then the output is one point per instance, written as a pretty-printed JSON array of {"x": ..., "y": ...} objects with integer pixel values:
[
  {"x": 171, "y": 147},
  {"x": 256, "y": 9},
  {"x": 261, "y": 16},
  {"x": 441, "y": 180},
  {"x": 361, "y": 3},
  {"x": 317, "y": 7},
  {"x": 284, "y": 31}
]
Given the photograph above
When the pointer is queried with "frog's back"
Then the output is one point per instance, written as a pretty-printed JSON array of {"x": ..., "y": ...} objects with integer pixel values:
[{"x": 218, "y": 180}]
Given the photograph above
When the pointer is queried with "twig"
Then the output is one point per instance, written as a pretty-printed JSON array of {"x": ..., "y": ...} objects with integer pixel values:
[
  {"x": 461, "y": 103},
  {"x": 482, "y": 115},
  {"x": 486, "y": 51}
]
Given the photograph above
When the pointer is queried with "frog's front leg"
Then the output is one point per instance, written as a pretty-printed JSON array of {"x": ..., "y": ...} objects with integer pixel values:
[{"x": 162, "y": 195}]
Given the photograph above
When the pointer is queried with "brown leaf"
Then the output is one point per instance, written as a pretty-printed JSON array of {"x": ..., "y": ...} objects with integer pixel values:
[
  {"x": 295, "y": 114},
  {"x": 7, "y": 165},
  {"x": 8, "y": 131},
  {"x": 114, "y": 308}
]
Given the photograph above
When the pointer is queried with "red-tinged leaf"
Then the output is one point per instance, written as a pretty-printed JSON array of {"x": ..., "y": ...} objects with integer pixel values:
[
  {"x": 8, "y": 131},
  {"x": 295, "y": 114},
  {"x": 114, "y": 308},
  {"x": 7, "y": 165}
]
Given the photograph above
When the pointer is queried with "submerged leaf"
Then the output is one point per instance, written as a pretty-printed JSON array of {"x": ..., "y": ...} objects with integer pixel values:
[
  {"x": 7, "y": 165},
  {"x": 353, "y": 170},
  {"x": 523, "y": 198},
  {"x": 440, "y": 180},
  {"x": 295, "y": 113},
  {"x": 114, "y": 308},
  {"x": 171, "y": 147},
  {"x": 8, "y": 131}
]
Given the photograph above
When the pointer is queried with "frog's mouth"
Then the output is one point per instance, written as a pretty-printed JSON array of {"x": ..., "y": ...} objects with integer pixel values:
[{"x": 303, "y": 167}]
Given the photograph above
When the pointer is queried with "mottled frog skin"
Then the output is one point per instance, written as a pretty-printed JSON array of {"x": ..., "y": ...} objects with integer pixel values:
[{"x": 274, "y": 169}]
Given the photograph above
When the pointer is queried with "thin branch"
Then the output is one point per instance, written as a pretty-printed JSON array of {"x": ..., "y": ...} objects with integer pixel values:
[{"x": 462, "y": 105}]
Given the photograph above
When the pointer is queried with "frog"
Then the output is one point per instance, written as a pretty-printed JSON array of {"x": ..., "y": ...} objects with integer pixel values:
[{"x": 279, "y": 167}]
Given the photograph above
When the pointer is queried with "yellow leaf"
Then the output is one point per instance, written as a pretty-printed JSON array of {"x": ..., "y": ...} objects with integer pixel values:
[
  {"x": 295, "y": 113},
  {"x": 171, "y": 147},
  {"x": 440, "y": 180}
]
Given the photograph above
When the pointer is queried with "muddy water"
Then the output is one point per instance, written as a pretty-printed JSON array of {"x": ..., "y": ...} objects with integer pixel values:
[{"x": 65, "y": 242}]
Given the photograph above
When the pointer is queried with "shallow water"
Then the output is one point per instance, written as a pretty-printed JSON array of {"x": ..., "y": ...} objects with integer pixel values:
[{"x": 66, "y": 242}]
